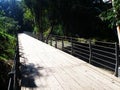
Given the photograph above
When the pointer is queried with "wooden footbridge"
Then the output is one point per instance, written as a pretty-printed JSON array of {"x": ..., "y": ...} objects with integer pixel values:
[{"x": 47, "y": 68}]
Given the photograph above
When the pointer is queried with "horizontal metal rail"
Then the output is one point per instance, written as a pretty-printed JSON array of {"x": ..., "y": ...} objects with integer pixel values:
[
  {"x": 81, "y": 49},
  {"x": 80, "y": 45},
  {"x": 105, "y": 52},
  {"x": 103, "y": 60},
  {"x": 104, "y": 56},
  {"x": 108, "y": 43},
  {"x": 103, "y": 47},
  {"x": 80, "y": 52},
  {"x": 87, "y": 58},
  {"x": 103, "y": 65}
]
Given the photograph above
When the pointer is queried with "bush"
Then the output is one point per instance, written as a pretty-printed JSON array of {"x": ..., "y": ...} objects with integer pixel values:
[{"x": 7, "y": 46}]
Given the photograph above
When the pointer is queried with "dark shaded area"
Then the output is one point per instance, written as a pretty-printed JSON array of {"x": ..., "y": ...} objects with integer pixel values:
[
  {"x": 86, "y": 24},
  {"x": 5, "y": 68},
  {"x": 81, "y": 18},
  {"x": 75, "y": 18},
  {"x": 29, "y": 72}
]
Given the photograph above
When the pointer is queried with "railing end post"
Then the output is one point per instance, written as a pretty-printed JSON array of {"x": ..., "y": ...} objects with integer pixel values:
[{"x": 117, "y": 59}]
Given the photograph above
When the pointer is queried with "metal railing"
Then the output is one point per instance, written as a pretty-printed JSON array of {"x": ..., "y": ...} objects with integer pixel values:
[
  {"x": 102, "y": 54},
  {"x": 14, "y": 75}
]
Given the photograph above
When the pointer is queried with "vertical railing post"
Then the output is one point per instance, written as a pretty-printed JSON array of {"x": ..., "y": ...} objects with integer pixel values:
[
  {"x": 17, "y": 65},
  {"x": 11, "y": 81},
  {"x": 62, "y": 43},
  {"x": 71, "y": 45},
  {"x": 55, "y": 41},
  {"x": 90, "y": 50},
  {"x": 117, "y": 59}
]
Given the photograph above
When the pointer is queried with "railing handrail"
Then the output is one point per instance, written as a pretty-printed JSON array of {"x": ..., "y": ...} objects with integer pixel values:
[{"x": 13, "y": 75}]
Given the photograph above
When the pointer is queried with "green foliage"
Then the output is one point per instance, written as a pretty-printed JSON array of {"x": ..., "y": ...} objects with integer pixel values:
[
  {"x": 2, "y": 58},
  {"x": 112, "y": 15},
  {"x": 117, "y": 5},
  {"x": 58, "y": 30},
  {"x": 36, "y": 30},
  {"x": 39, "y": 11},
  {"x": 117, "y": 11},
  {"x": 70, "y": 17},
  {"x": 9, "y": 19},
  {"x": 28, "y": 16},
  {"x": 108, "y": 16},
  {"x": 46, "y": 33},
  {"x": 8, "y": 29},
  {"x": 8, "y": 25},
  {"x": 7, "y": 46},
  {"x": 45, "y": 23}
]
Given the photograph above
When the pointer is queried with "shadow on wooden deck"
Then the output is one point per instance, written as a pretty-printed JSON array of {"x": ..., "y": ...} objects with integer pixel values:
[{"x": 29, "y": 73}]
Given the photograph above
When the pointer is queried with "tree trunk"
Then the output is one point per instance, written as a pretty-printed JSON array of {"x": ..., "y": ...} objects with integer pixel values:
[
  {"x": 49, "y": 33},
  {"x": 41, "y": 36},
  {"x": 118, "y": 33}
]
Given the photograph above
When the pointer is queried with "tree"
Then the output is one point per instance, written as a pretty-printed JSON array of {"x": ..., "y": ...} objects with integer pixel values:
[
  {"x": 116, "y": 9},
  {"x": 38, "y": 9},
  {"x": 8, "y": 29},
  {"x": 70, "y": 17},
  {"x": 112, "y": 15}
]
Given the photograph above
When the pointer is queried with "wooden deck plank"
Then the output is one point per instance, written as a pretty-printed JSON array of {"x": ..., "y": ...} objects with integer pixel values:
[
  {"x": 46, "y": 68},
  {"x": 93, "y": 82}
]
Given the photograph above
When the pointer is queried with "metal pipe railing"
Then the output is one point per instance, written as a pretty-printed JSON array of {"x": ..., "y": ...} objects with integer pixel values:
[
  {"x": 14, "y": 74},
  {"x": 106, "y": 54}
]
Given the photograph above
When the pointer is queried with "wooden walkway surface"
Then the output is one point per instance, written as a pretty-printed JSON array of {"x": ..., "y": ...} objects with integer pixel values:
[{"x": 46, "y": 68}]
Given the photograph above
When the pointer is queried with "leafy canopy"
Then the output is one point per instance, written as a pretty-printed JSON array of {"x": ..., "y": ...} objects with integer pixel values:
[{"x": 112, "y": 15}]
